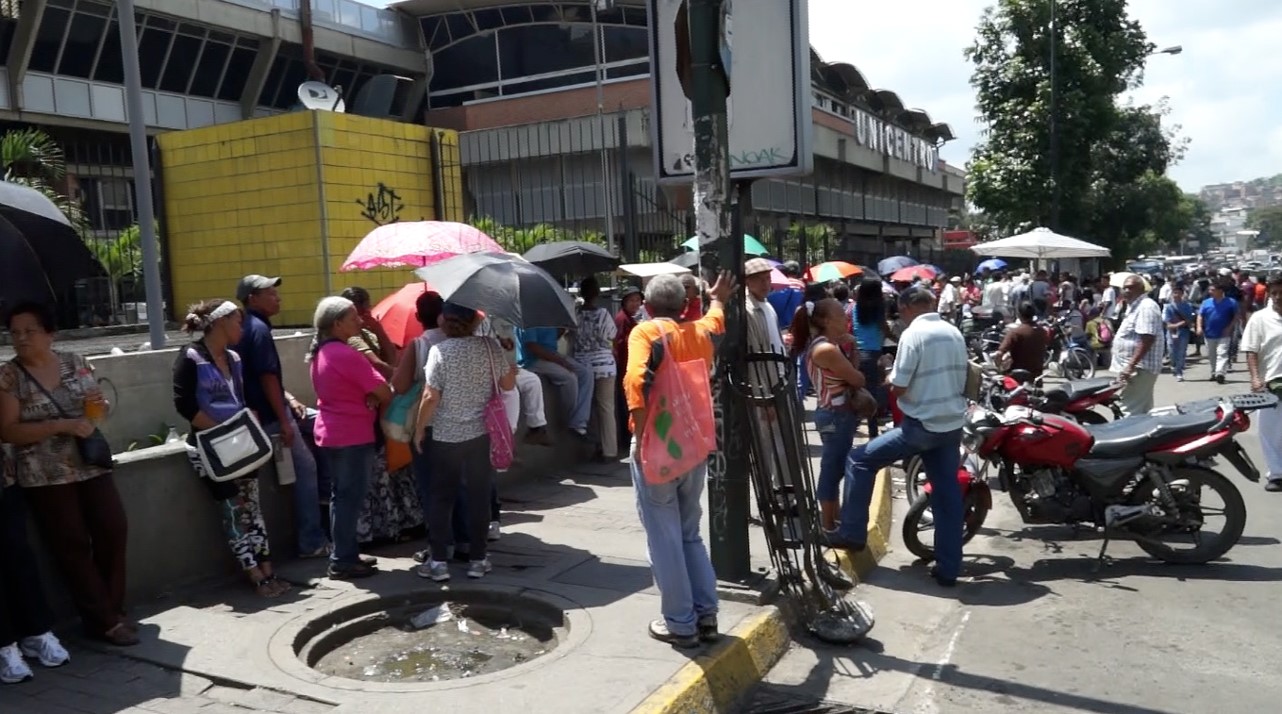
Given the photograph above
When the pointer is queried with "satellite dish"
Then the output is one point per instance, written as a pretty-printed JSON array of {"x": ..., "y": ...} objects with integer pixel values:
[{"x": 320, "y": 96}]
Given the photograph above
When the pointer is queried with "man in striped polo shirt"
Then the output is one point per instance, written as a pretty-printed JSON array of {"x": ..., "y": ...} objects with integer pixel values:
[{"x": 929, "y": 381}]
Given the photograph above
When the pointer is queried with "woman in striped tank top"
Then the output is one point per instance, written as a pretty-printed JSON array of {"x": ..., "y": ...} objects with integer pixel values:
[{"x": 832, "y": 362}]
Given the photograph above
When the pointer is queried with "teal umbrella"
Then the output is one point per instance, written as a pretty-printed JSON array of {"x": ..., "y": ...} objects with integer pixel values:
[{"x": 751, "y": 246}]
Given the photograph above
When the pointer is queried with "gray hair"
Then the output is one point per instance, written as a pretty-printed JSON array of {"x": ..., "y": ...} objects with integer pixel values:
[
  {"x": 917, "y": 297},
  {"x": 689, "y": 281},
  {"x": 328, "y": 311},
  {"x": 665, "y": 296}
]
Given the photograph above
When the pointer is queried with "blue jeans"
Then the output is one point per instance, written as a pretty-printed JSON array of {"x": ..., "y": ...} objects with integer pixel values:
[
  {"x": 941, "y": 457},
  {"x": 1179, "y": 346},
  {"x": 803, "y": 378},
  {"x": 574, "y": 387},
  {"x": 836, "y": 429},
  {"x": 670, "y": 514},
  {"x": 307, "y": 516},
  {"x": 423, "y": 465},
  {"x": 874, "y": 382},
  {"x": 349, "y": 468}
]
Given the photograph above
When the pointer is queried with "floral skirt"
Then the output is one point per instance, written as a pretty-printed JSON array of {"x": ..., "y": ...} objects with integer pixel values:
[{"x": 391, "y": 504}]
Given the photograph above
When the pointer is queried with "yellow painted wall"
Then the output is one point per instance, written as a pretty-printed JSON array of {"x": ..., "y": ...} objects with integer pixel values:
[{"x": 277, "y": 195}]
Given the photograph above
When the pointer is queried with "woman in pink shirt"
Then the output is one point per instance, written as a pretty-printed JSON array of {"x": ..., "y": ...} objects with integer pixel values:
[{"x": 349, "y": 392}]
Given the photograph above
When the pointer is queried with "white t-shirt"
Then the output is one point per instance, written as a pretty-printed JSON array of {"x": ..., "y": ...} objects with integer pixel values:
[
  {"x": 1263, "y": 336},
  {"x": 995, "y": 294},
  {"x": 930, "y": 364}
]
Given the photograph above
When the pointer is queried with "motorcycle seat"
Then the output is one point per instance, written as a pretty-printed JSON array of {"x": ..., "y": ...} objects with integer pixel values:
[
  {"x": 1078, "y": 389},
  {"x": 1134, "y": 436}
]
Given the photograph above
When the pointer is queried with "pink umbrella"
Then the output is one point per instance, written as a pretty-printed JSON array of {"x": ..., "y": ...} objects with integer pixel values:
[
  {"x": 417, "y": 244},
  {"x": 779, "y": 281}
]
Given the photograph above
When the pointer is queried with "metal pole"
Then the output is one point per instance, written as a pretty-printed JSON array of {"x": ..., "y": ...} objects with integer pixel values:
[
  {"x": 1054, "y": 121},
  {"x": 142, "y": 173},
  {"x": 728, "y": 468},
  {"x": 627, "y": 194},
  {"x": 598, "y": 51}
]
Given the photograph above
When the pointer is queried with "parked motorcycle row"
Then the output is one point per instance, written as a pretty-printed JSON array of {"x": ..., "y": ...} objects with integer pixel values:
[
  {"x": 1071, "y": 358},
  {"x": 1151, "y": 478}
]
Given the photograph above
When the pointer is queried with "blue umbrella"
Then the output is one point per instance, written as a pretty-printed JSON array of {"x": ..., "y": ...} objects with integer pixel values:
[
  {"x": 990, "y": 264},
  {"x": 899, "y": 262}
]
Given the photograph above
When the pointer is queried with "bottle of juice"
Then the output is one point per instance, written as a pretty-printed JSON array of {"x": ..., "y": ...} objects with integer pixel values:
[{"x": 95, "y": 402}]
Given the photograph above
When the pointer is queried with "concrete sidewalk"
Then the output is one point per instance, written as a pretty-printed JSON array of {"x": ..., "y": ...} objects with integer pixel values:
[{"x": 574, "y": 539}]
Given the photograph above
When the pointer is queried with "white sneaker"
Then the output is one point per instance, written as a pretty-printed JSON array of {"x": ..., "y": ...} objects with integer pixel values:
[
  {"x": 494, "y": 532},
  {"x": 13, "y": 668},
  {"x": 434, "y": 570},
  {"x": 478, "y": 568},
  {"x": 45, "y": 649}
]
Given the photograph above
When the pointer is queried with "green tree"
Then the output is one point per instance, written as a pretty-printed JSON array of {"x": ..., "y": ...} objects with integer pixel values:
[
  {"x": 121, "y": 258},
  {"x": 520, "y": 240},
  {"x": 1268, "y": 221},
  {"x": 1111, "y": 155},
  {"x": 32, "y": 158}
]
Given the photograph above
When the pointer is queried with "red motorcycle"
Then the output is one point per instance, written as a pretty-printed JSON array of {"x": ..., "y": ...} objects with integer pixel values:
[
  {"x": 1076, "y": 400},
  {"x": 1144, "y": 478}
]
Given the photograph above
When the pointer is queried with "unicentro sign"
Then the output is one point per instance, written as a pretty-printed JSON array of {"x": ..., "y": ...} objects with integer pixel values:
[{"x": 889, "y": 140}]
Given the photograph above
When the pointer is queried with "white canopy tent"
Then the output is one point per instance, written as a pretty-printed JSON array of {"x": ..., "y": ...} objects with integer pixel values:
[{"x": 1041, "y": 244}]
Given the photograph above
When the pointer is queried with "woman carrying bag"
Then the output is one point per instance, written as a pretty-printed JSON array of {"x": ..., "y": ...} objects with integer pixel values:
[{"x": 209, "y": 390}]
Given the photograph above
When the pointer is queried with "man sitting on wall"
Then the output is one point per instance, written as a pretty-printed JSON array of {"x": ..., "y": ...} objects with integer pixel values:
[{"x": 536, "y": 351}]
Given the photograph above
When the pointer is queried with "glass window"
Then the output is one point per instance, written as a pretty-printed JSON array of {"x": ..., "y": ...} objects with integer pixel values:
[
  {"x": 344, "y": 76},
  {"x": 369, "y": 19},
  {"x": 153, "y": 47},
  {"x": 540, "y": 85},
  {"x": 631, "y": 70},
  {"x": 182, "y": 56},
  {"x": 516, "y": 15},
  {"x": 295, "y": 74},
  {"x": 238, "y": 68},
  {"x": 465, "y": 64},
  {"x": 44, "y": 51},
  {"x": 540, "y": 49},
  {"x": 7, "y": 27},
  {"x": 83, "y": 37},
  {"x": 460, "y": 27},
  {"x": 625, "y": 43},
  {"x": 272, "y": 82},
  {"x": 161, "y": 23},
  {"x": 434, "y": 31},
  {"x": 110, "y": 62},
  {"x": 210, "y": 69},
  {"x": 488, "y": 19},
  {"x": 349, "y": 14}
]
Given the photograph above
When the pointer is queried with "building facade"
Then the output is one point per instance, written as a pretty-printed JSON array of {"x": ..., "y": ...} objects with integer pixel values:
[{"x": 553, "y": 102}]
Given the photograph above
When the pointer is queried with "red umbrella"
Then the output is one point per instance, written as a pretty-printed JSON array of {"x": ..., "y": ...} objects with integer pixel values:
[
  {"x": 913, "y": 272},
  {"x": 396, "y": 313},
  {"x": 417, "y": 244}
]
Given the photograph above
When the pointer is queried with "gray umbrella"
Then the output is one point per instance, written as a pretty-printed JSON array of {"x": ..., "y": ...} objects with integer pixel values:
[{"x": 501, "y": 285}]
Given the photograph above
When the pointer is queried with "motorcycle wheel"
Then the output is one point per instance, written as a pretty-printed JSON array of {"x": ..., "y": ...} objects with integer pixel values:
[
  {"x": 1190, "y": 504},
  {"x": 1077, "y": 364},
  {"x": 974, "y": 512},
  {"x": 914, "y": 477}
]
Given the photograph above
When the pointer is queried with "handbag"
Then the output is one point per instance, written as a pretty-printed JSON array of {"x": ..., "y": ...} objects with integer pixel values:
[
  {"x": 502, "y": 448},
  {"x": 93, "y": 449},
  {"x": 680, "y": 431},
  {"x": 400, "y": 417},
  {"x": 233, "y": 448}
]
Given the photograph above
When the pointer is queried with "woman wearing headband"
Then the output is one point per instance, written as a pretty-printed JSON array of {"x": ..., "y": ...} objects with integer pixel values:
[{"x": 208, "y": 390}]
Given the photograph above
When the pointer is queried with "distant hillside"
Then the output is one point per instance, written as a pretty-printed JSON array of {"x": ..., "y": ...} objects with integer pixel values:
[{"x": 1256, "y": 193}]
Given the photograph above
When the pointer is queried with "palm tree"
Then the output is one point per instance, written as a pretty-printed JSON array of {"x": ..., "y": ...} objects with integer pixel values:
[
  {"x": 121, "y": 258},
  {"x": 32, "y": 158}
]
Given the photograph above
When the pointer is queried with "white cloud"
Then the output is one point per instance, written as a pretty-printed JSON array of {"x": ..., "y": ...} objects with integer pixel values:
[{"x": 1223, "y": 89}]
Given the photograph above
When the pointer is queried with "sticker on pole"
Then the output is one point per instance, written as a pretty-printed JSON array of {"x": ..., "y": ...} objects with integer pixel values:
[{"x": 769, "y": 118}]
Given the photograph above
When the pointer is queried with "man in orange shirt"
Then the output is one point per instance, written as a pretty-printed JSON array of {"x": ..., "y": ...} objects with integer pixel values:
[{"x": 671, "y": 512}]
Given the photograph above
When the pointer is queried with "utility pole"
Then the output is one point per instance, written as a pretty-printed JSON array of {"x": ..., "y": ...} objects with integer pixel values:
[
  {"x": 728, "y": 489},
  {"x": 142, "y": 173},
  {"x": 1054, "y": 119}
]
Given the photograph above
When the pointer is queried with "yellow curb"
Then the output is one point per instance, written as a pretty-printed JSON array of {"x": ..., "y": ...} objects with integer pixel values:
[
  {"x": 858, "y": 565},
  {"x": 715, "y": 681}
]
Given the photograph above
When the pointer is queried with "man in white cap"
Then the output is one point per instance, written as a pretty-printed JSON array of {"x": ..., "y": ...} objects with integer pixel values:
[{"x": 948, "y": 298}]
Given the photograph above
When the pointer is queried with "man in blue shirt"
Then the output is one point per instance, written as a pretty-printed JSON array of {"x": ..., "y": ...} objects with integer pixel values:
[
  {"x": 536, "y": 350},
  {"x": 277, "y": 411},
  {"x": 1215, "y": 322}
]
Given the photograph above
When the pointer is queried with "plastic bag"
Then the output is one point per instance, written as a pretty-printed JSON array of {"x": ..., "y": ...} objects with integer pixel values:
[{"x": 680, "y": 430}]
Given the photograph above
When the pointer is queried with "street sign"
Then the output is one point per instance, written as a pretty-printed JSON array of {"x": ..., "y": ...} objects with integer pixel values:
[{"x": 769, "y": 108}]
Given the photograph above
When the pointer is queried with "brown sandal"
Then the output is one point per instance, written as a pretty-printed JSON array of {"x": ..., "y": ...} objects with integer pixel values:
[{"x": 122, "y": 635}]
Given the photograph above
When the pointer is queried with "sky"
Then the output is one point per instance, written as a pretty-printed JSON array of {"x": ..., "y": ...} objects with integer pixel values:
[{"x": 1224, "y": 90}]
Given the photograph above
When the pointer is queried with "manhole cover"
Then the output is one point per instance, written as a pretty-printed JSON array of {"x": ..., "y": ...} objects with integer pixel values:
[{"x": 431, "y": 637}]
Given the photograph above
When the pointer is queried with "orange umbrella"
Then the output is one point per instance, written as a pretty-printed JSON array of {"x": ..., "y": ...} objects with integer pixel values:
[
  {"x": 398, "y": 316},
  {"x": 832, "y": 270},
  {"x": 913, "y": 272}
]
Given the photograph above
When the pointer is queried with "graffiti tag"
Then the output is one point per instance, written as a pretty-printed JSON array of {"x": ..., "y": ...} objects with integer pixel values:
[
  {"x": 382, "y": 206},
  {"x": 751, "y": 159}
]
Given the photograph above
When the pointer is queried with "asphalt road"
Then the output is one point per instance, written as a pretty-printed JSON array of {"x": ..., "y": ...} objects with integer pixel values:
[{"x": 1033, "y": 629}]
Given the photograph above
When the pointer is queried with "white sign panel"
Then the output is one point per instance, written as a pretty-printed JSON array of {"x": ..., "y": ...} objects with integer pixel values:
[{"x": 769, "y": 105}]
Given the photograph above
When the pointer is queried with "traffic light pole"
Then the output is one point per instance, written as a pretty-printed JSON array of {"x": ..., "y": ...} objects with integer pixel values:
[{"x": 728, "y": 493}]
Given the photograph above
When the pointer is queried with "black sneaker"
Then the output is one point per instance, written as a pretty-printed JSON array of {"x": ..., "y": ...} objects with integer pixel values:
[
  {"x": 659, "y": 630},
  {"x": 833, "y": 539},
  {"x": 943, "y": 582},
  {"x": 708, "y": 630},
  {"x": 351, "y": 572}
]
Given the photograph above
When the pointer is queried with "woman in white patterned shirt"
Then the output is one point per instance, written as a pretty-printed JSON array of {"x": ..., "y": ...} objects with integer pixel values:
[{"x": 594, "y": 347}]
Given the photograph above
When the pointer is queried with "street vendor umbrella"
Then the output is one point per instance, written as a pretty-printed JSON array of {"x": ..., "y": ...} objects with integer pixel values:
[
  {"x": 417, "y": 243},
  {"x": 501, "y": 286},
  {"x": 43, "y": 254},
  {"x": 832, "y": 270},
  {"x": 890, "y": 265},
  {"x": 990, "y": 264},
  {"x": 1041, "y": 243},
  {"x": 913, "y": 272},
  {"x": 1118, "y": 280},
  {"x": 397, "y": 313},
  {"x": 689, "y": 261},
  {"x": 572, "y": 257},
  {"x": 751, "y": 246}
]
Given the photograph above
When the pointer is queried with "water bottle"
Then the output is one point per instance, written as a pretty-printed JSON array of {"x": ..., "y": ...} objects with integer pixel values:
[
  {"x": 95, "y": 405},
  {"x": 173, "y": 436}
]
